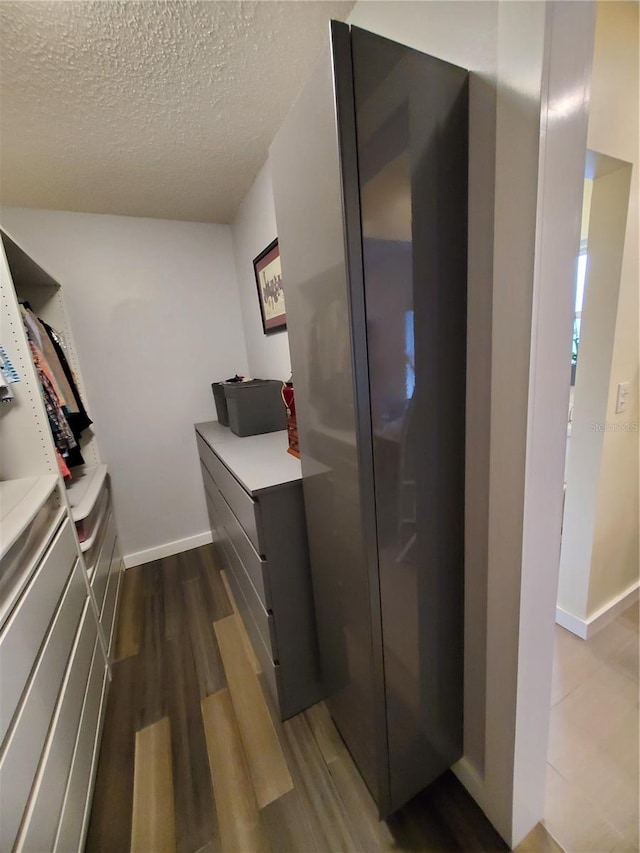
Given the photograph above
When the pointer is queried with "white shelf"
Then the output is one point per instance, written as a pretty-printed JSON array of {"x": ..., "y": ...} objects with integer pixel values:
[
  {"x": 20, "y": 501},
  {"x": 84, "y": 489}
]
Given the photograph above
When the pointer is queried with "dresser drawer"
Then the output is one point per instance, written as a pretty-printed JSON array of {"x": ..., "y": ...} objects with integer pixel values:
[
  {"x": 108, "y": 615},
  {"x": 77, "y": 797},
  {"x": 254, "y": 566},
  {"x": 25, "y": 628},
  {"x": 246, "y": 510},
  {"x": 45, "y": 806},
  {"x": 210, "y": 489},
  {"x": 93, "y": 552},
  {"x": 262, "y": 619},
  {"x": 23, "y": 748},
  {"x": 268, "y": 666},
  {"x": 101, "y": 574}
]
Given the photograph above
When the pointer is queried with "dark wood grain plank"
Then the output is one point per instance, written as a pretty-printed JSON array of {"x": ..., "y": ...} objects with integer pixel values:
[
  {"x": 129, "y": 628},
  {"x": 208, "y": 663},
  {"x": 110, "y": 822},
  {"x": 173, "y": 598},
  {"x": 188, "y": 564},
  {"x": 372, "y": 833},
  {"x": 168, "y": 665},
  {"x": 216, "y": 598},
  {"x": 459, "y": 814},
  {"x": 312, "y": 824},
  {"x": 151, "y": 704},
  {"x": 196, "y": 822},
  {"x": 315, "y": 785}
]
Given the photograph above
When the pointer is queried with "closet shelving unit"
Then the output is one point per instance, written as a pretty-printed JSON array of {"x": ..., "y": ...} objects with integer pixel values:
[{"x": 58, "y": 595}]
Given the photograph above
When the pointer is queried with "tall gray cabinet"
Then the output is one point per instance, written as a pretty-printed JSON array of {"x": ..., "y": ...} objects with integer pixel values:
[{"x": 370, "y": 186}]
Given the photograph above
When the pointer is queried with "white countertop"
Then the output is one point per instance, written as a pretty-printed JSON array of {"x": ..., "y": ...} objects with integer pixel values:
[{"x": 259, "y": 462}]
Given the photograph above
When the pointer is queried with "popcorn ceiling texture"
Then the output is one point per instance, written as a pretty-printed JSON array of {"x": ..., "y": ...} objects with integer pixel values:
[{"x": 158, "y": 109}]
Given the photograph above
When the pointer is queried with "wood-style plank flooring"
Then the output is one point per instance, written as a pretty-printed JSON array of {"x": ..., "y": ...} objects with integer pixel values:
[{"x": 194, "y": 759}]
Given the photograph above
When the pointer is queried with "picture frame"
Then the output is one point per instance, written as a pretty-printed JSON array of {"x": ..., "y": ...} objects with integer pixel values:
[{"x": 268, "y": 274}]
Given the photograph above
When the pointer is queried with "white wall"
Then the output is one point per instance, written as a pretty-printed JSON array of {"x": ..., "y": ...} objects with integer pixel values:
[
  {"x": 156, "y": 317},
  {"x": 524, "y": 57},
  {"x": 253, "y": 229}
]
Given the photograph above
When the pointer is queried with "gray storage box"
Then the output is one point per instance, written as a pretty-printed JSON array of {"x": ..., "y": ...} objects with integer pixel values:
[
  {"x": 255, "y": 407},
  {"x": 221, "y": 403}
]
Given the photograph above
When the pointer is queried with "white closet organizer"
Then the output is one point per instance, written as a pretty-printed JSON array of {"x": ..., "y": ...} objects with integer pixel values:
[{"x": 60, "y": 571}]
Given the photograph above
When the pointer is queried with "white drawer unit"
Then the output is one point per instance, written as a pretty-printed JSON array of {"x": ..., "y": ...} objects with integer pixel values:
[
  {"x": 87, "y": 494},
  {"x": 100, "y": 574},
  {"x": 25, "y": 740},
  {"x": 24, "y": 630},
  {"x": 253, "y": 492},
  {"x": 75, "y": 809},
  {"x": 110, "y": 607},
  {"x": 43, "y": 813},
  {"x": 59, "y": 582}
]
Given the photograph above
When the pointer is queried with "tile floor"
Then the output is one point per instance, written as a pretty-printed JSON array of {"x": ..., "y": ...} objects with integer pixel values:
[{"x": 592, "y": 773}]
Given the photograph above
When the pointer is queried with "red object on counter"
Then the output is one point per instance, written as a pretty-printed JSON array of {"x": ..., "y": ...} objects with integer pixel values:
[{"x": 288, "y": 398}]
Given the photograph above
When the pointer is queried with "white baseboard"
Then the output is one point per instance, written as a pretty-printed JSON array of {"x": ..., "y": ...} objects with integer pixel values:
[
  {"x": 586, "y": 628},
  {"x": 572, "y": 623},
  {"x": 167, "y": 550}
]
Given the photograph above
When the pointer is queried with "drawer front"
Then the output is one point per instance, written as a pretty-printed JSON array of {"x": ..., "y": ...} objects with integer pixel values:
[
  {"x": 25, "y": 743},
  {"x": 91, "y": 554},
  {"x": 45, "y": 805},
  {"x": 270, "y": 669},
  {"x": 20, "y": 561},
  {"x": 101, "y": 574},
  {"x": 262, "y": 619},
  {"x": 246, "y": 510},
  {"x": 210, "y": 489},
  {"x": 77, "y": 795},
  {"x": 254, "y": 566},
  {"x": 108, "y": 615},
  {"x": 88, "y": 528},
  {"x": 24, "y": 631}
]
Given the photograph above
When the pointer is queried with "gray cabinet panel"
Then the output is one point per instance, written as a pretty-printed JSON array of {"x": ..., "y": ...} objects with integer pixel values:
[
  {"x": 254, "y": 565},
  {"x": 369, "y": 173},
  {"x": 244, "y": 507},
  {"x": 273, "y": 591}
]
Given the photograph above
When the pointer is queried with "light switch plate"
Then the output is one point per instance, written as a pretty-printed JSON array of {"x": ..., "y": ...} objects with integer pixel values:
[{"x": 622, "y": 397}]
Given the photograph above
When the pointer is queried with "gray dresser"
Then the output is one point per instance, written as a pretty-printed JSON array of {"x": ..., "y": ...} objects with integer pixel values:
[{"x": 253, "y": 489}]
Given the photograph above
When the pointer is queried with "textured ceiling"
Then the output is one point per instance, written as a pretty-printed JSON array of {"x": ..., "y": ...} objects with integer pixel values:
[{"x": 161, "y": 109}]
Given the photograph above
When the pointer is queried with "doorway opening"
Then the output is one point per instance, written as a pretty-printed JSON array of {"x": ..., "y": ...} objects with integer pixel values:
[{"x": 592, "y": 779}]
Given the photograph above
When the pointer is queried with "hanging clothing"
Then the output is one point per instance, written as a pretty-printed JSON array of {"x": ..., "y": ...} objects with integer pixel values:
[
  {"x": 79, "y": 420},
  {"x": 65, "y": 410},
  {"x": 62, "y": 436},
  {"x": 47, "y": 348}
]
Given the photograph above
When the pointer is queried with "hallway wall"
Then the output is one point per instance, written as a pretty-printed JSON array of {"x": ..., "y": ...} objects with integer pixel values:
[
  {"x": 253, "y": 229},
  {"x": 156, "y": 317}
]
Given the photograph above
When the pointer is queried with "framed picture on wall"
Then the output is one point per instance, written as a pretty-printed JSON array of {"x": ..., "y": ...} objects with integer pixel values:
[{"x": 270, "y": 293}]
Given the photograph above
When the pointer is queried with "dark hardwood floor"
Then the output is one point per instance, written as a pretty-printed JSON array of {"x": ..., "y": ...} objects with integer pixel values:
[{"x": 193, "y": 758}]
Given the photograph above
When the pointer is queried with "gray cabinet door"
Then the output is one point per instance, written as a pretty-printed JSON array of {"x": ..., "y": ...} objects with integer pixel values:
[{"x": 370, "y": 171}]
